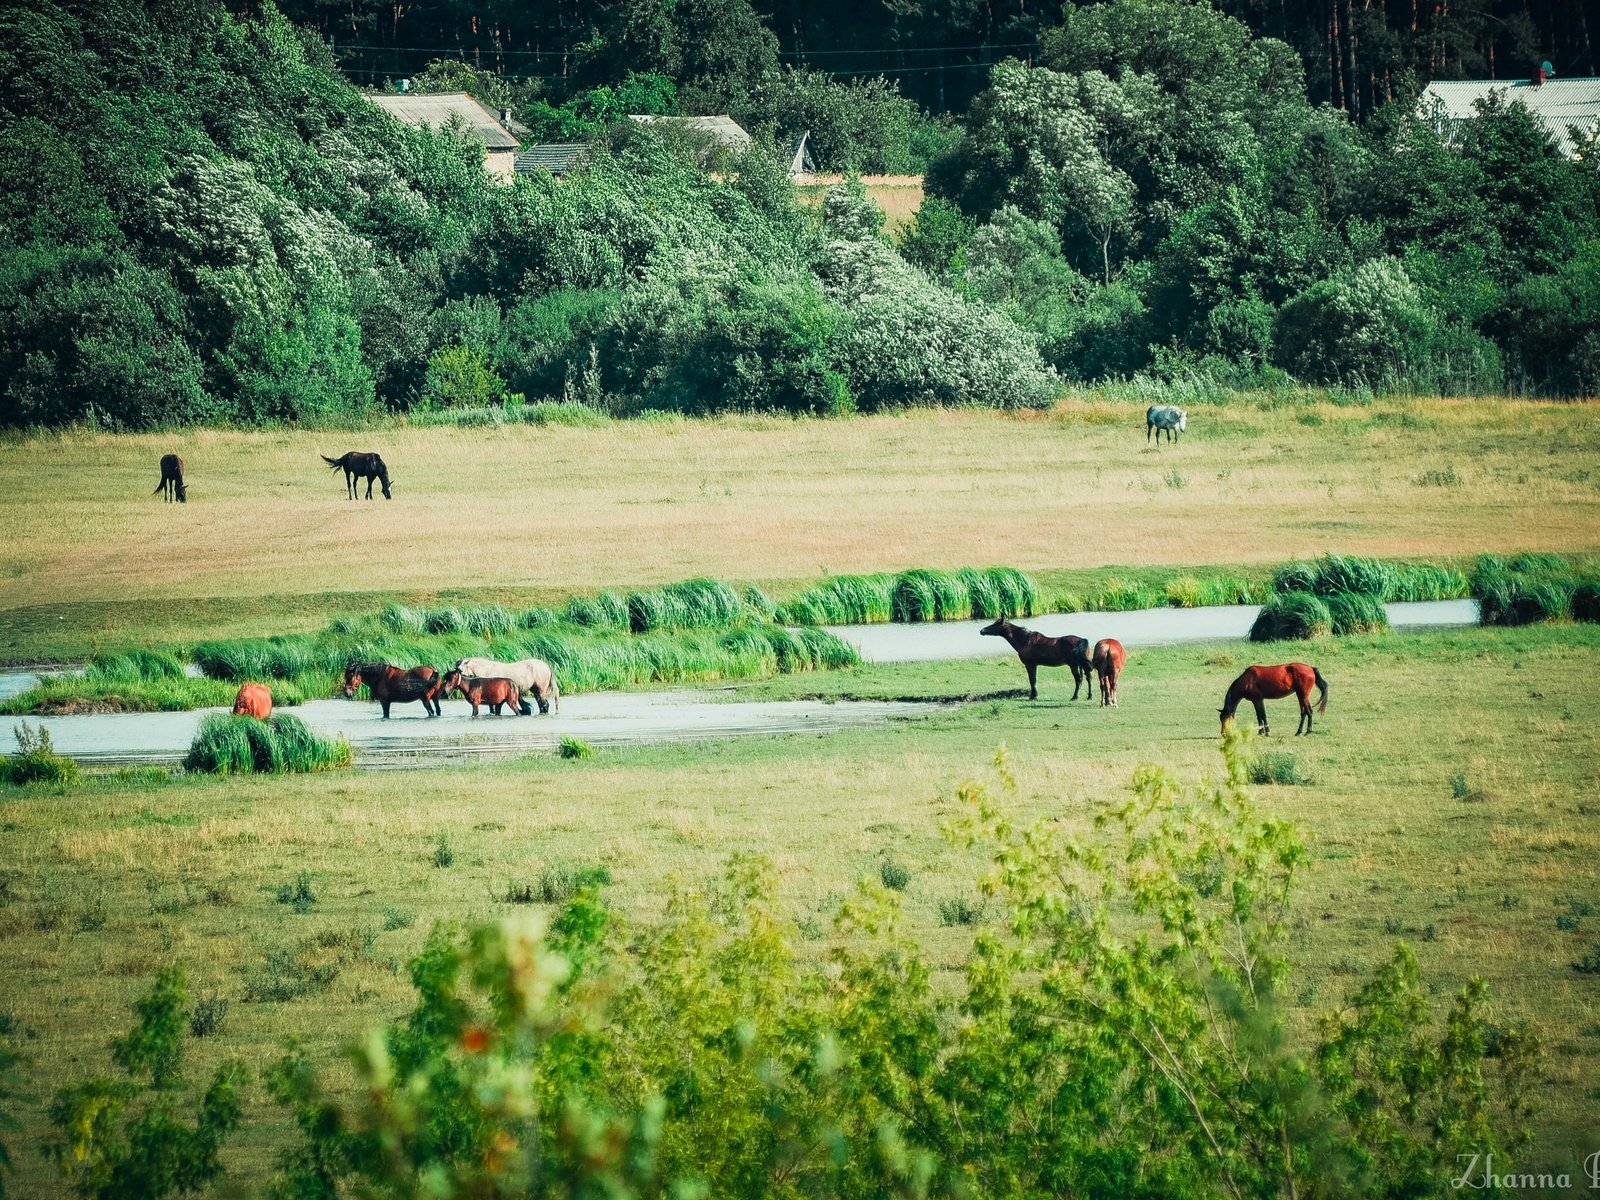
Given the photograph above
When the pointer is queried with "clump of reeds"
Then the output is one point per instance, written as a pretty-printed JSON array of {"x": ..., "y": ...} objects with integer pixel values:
[
  {"x": 1356, "y": 612},
  {"x": 692, "y": 604},
  {"x": 36, "y": 760},
  {"x": 1293, "y": 615},
  {"x": 227, "y": 745},
  {"x": 915, "y": 596},
  {"x": 1524, "y": 590}
]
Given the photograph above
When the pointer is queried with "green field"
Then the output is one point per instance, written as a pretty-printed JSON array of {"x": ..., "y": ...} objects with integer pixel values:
[{"x": 1469, "y": 848}]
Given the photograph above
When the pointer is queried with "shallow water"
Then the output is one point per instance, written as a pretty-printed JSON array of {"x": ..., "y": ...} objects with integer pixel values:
[
  {"x": 623, "y": 718},
  {"x": 410, "y": 739},
  {"x": 1146, "y": 627}
]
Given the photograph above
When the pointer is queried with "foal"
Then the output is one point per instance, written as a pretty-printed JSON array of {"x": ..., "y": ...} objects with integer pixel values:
[
  {"x": 1036, "y": 650},
  {"x": 496, "y": 693},
  {"x": 171, "y": 485}
]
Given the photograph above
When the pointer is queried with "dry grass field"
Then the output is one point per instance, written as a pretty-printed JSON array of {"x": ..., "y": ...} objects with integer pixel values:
[
  {"x": 899, "y": 196},
  {"x": 541, "y": 512},
  {"x": 106, "y": 884}
]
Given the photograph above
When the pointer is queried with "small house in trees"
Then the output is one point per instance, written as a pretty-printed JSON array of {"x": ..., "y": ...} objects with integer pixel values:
[
  {"x": 1564, "y": 107},
  {"x": 497, "y": 131},
  {"x": 720, "y": 131}
]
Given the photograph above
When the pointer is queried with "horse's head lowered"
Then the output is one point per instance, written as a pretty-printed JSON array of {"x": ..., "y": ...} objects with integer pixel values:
[
  {"x": 1000, "y": 628},
  {"x": 451, "y": 681}
]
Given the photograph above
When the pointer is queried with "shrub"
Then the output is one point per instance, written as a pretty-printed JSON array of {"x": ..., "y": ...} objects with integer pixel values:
[
  {"x": 559, "y": 882},
  {"x": 443, "y": 855},
  {"x": 298, "y": 894},
  {"x": 123, "y": 1137},
  {"x": 36, "y": 760},
  {"x": 960, "y": 910},
  {"x": 207, "y": 1015},
  {"x": 1356, "y": 612},
  {"x": 227, "y": 745},
  {"x": 398, "y": 918},
  {"x": 893, "y": 873},
  {"x": 1291, "y": 616},
  {"x": 307, "y": 967}
]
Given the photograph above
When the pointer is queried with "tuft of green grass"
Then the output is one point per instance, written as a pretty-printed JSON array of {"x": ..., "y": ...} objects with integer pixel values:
[
  {"x": 559, "y": 882},
  {"x": 1280, "y": 767},
  {"x": 36, "y": 760},
  {"x": 960, "y": 910},
  {"x": 443, "y": 855},
  {"x": 917, "y": 595},
  {"x": 691, "y": 604},
  {"x": 1292, "y": 616},
  {"x": 298, "y": 894},
  {"x": 572, "y": 747},
  {"x": 207, "y": 1015},
  {"x": 1439, "y": 477},
  {"x": 894, "y": 874},
  {"x": 398, "y": 918},
  {"x": 228, "y": 745},
  {"x": 307, "y": 967}
]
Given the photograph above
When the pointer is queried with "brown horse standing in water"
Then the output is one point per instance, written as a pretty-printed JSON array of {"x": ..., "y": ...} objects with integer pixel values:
[
  {"x": 1108, "y": 659},
  {"x": 390, "y": 685},
  {"x": 171, "y": 485},
  {"x": 1274, "y": 683},
  {"x": 496, "y": 693},
  {"x": 1036, "y": 650}
]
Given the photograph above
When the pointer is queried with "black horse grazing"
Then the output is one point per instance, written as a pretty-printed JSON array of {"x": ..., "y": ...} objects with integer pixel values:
[
  {"x": 1036, "y": 650},
  {"x": 171, "y": 485},
  {"x": 391, "y": 685},
  {"x": 361, "y": 464}
]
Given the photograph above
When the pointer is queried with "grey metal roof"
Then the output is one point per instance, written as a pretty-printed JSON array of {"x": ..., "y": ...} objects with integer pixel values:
[
  {"x": 723, "y": 129},
  {"x": 435, "y": 112},
  {"x": 1556, "y": 104},
  {"x": 556, "y": 157}
]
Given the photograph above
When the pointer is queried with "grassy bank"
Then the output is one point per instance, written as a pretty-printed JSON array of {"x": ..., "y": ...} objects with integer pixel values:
[
  {"x": 1438, "y": 810},
  {"x": 552, "y": 510}
]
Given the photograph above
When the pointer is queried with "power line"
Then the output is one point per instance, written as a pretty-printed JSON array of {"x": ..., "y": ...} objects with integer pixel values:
[{"x": 789, "y": 54}]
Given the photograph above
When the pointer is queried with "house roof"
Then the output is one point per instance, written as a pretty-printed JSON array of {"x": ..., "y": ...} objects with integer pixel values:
[
  {"x": 556, "y": 157},
  {"x": 1556, "y": 103},
  {"x": 723, "y": 129},
  {"x": 435, "y": 111}
]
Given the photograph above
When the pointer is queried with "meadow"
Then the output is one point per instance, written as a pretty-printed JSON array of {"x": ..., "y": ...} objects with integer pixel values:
[
  {"x": 533, "y": 514},
  {"x": 295, "y": 902}
]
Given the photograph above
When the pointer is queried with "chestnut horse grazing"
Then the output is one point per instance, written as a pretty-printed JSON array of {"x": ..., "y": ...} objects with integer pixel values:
[
  {"x": 361, "y": 464},
  {"x": 171, "y": 485},
  {"x": 1274, "y": 683},
  {"x": 390, "y": 685},
  {"x": 1036, "y": 650},
  {"x": 534, "y": 676},
  {"x": 496, "y": 693},
  {"x": 1108, "y": 659},
  {"x": 253, "y": 701}
]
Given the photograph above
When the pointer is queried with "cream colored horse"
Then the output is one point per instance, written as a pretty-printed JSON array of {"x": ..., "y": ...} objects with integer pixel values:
[{"x": 534, "y": 676}]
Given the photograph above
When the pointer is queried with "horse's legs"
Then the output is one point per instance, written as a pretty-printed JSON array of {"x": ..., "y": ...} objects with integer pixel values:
[
  {"x": 385, "y": 704},
  {"x": 1033, "y": 685},
  {"x": 1261, "y": 718}
]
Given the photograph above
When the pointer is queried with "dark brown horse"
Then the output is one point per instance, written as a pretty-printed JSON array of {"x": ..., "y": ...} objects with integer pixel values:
[
  {"x": 361, "y": 464},
  {"x": 1108, "y": 659},
  {"x": 1274, "y": 683},
  {"x": 1036, "y": 650},
  {"x": 390, "y": 685},
  {"x": 171, "y": 485},
  {"x": 496, "y": 693}
]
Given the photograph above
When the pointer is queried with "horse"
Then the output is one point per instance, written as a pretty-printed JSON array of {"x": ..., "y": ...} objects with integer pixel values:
[
  {"x": 253, "y": 700},
  {"x": 1274, "y": 683},
  {"x": 1160, "y": 417},
  {"x": 1036, "y": 650},
  {"x": 171, "y": 485},
  {"x": 390, "y": 685},
  {"x": 361, "y": 464},
  {"x": 496, "y": 693},
  {"x": 1108, "y": 659},
  {"x": 534, "y": 676}
]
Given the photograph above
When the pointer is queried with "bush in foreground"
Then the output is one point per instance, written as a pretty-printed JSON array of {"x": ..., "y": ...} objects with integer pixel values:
[
  {"x": 229, "y": 745},
  {"x": 1133, "y": 992}
]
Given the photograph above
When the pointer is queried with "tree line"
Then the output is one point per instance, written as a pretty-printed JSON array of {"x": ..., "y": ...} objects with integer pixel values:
[{"x": 202, "y": 220}]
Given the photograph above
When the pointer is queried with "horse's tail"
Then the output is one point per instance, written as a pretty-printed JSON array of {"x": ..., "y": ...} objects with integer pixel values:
[
  {"x": 335, "y": 463},
  {"x": 555, "y": 693},
  {"x": 1322, "y": 688}
]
